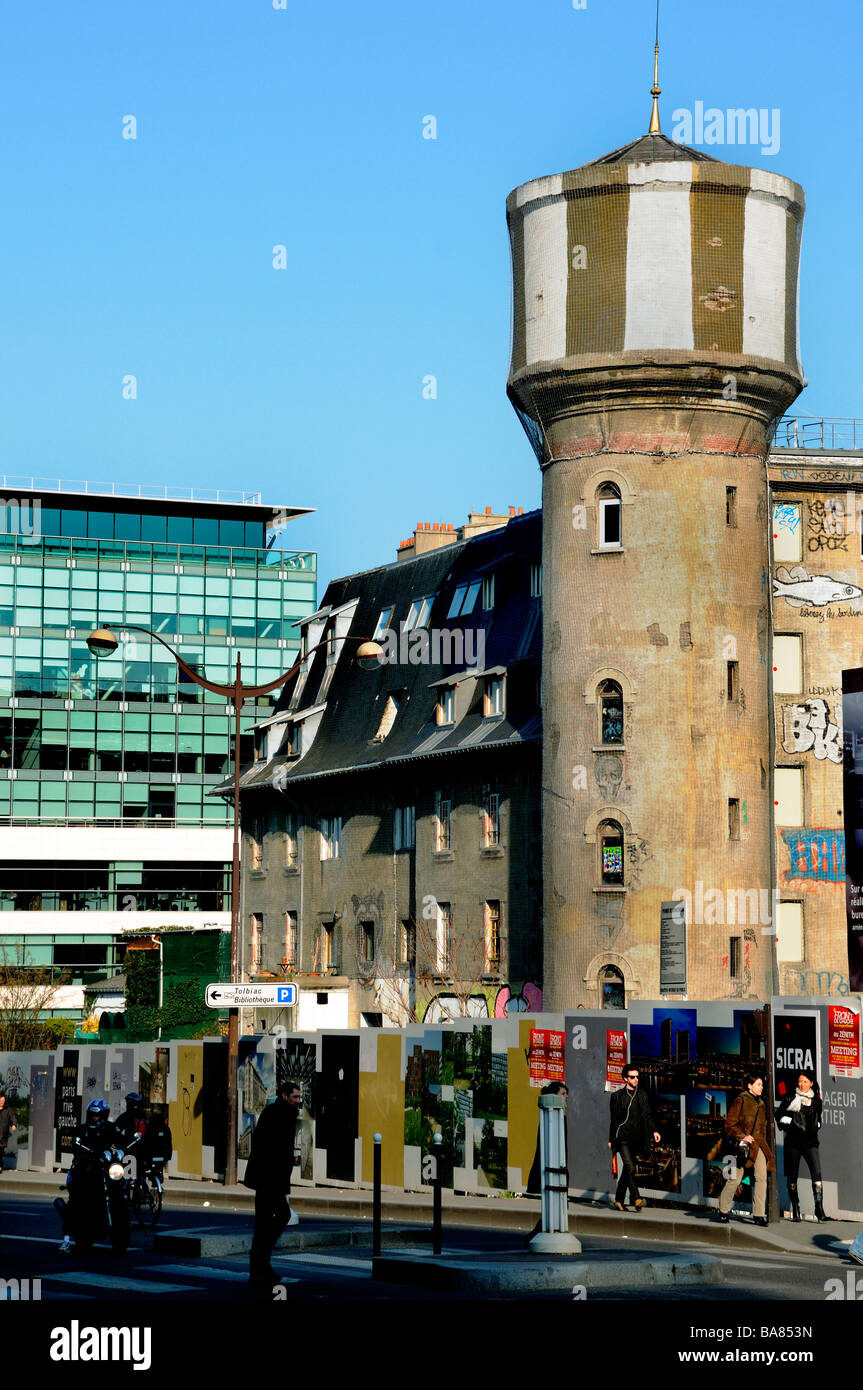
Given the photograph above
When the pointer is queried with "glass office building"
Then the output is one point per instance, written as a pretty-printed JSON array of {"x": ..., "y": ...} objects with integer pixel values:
[{"x": 106, "y": 763}]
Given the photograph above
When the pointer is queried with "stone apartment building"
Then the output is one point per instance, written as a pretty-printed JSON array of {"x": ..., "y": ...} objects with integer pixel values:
[{"x": 391, "y": 849}]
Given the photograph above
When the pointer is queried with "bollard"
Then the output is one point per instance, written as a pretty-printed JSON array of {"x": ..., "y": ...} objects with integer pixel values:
[
  {"x": 376, "y": 1196},
  {"x": 436, "y": 1197},
  {"x": 554, "y": 1238}
]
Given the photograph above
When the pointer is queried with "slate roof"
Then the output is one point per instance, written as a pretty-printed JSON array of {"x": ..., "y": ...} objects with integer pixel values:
[
  {"x": 355, "y": 699},
  {"x": 650, "y": 149}
]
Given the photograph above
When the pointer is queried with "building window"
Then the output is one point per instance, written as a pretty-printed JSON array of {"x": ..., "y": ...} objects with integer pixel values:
[
  {"x": 493, "y": 701},
  {"x": 291, "y": 836},
  {"x": 409, "y": 943},
  {"x": 443, "y": 822},
  {"x": 446, "y": 705},
  {"x": 788, "y": 796},
  {"x": 328, "y": 941},
  {"x": 732, "y": 682},
  {"x": 536, "y": 579},
  {"x": 492, "y": 937},
  {"x": 443, "y": 963},
  {"x": 488, "y": 591},
  {"x": 256, "y": 834},
  {"x": 609, "y": 513},
  {"x": 418, "y": 614},
  {"x": 367, "y": 942},
  {"x": 295, "y": 739},
  {"x": 733, "y": 818},
  {"x": 257, "y": 943},
  {"x": 787, "y": 664},
  {"x": 734, "y": 957},
  {"x": 611, "y": 853},
  {"x": 331, "y": 837},
  {"x": 610, "y": 713},
  {"x": 404, "y": 827},
  {"x": 612, "y": 988},
  {"x": 787, "y": 533},
  {"x": 464, "y": 599},
  {"x": 731, "y": 506},
  {"x": 383, "y": 622},
  {"x": 789, "y": 932},
  {"x": 289, "y": 960},
  {"x": 332, "y": 650},
  {"x": 490, "y": 818}
]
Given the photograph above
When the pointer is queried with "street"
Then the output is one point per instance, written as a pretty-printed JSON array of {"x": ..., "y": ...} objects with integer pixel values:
[{"x": 342, "y": 1272}]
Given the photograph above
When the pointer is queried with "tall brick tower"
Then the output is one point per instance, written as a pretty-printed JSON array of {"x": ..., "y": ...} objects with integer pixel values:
[{"x": 654, "y": 348}]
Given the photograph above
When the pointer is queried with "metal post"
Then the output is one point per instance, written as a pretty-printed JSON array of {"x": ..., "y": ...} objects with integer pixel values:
[
  {"x": 376, "y": 1197},
  {"x": 436, "y": 1197},
  {"x": 554, "y": 1238},
  {"x": 233, "y": 1017}
]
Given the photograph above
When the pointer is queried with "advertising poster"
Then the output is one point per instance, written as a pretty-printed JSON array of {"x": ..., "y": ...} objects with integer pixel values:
[
  {"x": 852, "y": 789},
  {"x": 795, "y": 1048},
  {"x": 67, "y": 1103},
  {"x": 615, "y": 1058},
  {"x": 546, "y": 1056},
  {"x": 843, "y": 1040}
]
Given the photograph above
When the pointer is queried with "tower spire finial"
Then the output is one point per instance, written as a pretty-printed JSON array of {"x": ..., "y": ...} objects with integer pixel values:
[{"x": 655, "y": 90}]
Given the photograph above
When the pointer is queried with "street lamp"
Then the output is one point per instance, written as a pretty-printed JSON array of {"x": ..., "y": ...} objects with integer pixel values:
[{"x": 102, "y": 642}]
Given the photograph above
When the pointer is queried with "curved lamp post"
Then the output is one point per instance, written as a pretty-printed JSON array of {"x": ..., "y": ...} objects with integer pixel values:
[{"x": 102, "y": 642}]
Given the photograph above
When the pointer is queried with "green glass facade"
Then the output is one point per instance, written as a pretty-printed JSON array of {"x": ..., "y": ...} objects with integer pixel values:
[{"x": 126, "y": 737}]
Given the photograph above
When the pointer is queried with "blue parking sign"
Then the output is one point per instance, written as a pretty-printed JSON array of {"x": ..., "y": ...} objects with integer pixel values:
[{"x": 287, "y": 994}]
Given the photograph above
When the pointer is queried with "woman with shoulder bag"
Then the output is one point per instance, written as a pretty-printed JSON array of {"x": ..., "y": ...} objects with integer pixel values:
[
  {"x": 799, "y": 1119},
  {"x": 746, "y": 1128}
]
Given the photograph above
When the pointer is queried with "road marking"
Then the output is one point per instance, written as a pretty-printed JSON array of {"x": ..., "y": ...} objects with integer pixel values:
[
  {"x": 111, "y": 1281},
  {"x": 214, "y": 1272},
  {"x": 358, "y": 1269}
]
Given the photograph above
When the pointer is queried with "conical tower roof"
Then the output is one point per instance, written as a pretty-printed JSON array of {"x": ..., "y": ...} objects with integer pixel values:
[{"x": 652, "y": 149}]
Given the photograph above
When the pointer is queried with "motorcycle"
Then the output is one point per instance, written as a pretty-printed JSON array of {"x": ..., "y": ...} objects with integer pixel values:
[{"x": 98, "y": 1207}]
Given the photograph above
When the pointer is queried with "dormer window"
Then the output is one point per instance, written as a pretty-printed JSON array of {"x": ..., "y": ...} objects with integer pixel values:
[
  {"x": 464, "y": 599},
  {"x": 493, "y": 701},
  {"x": 418, "y": 614},
  {"x": 295, "y": 740},
  {"x": 536, "y": 579},
  {"x": 446, "y": 706},
  {"x": 609, "y": 514},
  {"x": 488, "y": 592},
  {"x": 383, "y": 622}
]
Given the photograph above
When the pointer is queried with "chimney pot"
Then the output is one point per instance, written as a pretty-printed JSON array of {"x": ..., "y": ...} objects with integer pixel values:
[
  {"x": 521, "y": 511},
  {"x": 488, "y": 511},
  {"x": 512, "y": 511}
]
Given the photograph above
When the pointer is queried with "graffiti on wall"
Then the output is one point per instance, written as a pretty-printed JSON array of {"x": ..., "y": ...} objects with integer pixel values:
[
  {"x": 492, "y": 1002},
  {"x": 802, "y": 590},
  {"x": 808, "y": 729},
  {"x": 816, "y": 855},
  {"x": 814, "y": 982}
]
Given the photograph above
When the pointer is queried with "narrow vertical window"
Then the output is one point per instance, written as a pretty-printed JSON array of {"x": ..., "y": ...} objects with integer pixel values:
[
  {"x": 536, "y": 579},
  {"x": 490, "y": 818},
  {"x": 610, "y": 713},
  {"x": 734, "y": 957},
  {"x": 444, "y": 938},
  {"x": 731, "y": 506},
  {"x": 609, "y": 517},
  {"x": 256, "y": 833},
  {"x": 409, "y": 942},
  {"x": 367, "y": 942},
  {"x": 289, "y": 960},
  {"x": 290, "y": 840},
  {"x": 611, "y": 853},
  {"x": 732, "y": 680},
  {"x": 443, "y": 822},
  {"x": 257, "y": 944},
  {"x": 492, "y": 937},
  {"x": 733, "y": 818},
  {"x": 488, "y": 591}
]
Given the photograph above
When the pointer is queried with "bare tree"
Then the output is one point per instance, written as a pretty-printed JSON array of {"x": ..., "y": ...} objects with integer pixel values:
[
  {"x": 432, "y": 963},
  {"x": 26, "y": 992}
]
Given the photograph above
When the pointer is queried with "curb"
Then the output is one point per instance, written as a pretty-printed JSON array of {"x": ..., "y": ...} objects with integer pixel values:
[{"x": 540, "y": 1273}]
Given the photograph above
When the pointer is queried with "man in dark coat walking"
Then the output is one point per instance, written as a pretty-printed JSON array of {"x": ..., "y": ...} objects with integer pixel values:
[
  {"x": 7, "y": 1126},
  {"x": 629, "y": 1134},
  {"x": 268, "y": 1171}
]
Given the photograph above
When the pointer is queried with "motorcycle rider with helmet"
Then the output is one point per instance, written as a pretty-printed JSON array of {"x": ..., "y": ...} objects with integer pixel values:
[{"x": 93, "y": 1136}]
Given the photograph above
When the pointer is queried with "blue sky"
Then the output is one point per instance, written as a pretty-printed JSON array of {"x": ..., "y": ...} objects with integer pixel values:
[{"x": 302, "y": 127}]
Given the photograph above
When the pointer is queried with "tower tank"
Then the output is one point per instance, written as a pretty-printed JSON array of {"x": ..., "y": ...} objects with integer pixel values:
[{"x": 654, "y": 347}]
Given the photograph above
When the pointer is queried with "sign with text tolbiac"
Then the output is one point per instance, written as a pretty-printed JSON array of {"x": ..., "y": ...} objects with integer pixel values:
[{"x": 242, "y": 996}]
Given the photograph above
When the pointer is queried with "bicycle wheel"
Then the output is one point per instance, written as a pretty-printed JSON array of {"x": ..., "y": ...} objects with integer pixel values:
[{"x": 148, "y": 1200}]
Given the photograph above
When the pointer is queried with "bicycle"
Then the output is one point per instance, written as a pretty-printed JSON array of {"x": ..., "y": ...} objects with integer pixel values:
[{"x": 146, "y": 1197}]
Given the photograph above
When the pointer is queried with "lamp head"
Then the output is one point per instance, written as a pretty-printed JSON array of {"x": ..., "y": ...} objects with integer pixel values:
[
  {"x": 102, "y": 642},
  {"x": 369, "y": 655}
]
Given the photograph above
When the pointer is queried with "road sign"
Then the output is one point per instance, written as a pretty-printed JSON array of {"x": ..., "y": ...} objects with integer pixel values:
[{"x": 239, "y": 996}]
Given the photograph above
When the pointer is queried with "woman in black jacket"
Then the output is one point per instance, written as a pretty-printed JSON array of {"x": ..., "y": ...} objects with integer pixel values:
[{"x": 799, "y": 1119}]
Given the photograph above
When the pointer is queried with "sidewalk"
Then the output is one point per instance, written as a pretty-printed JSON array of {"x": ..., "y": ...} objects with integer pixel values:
[{"x": 586, "y": 1218}]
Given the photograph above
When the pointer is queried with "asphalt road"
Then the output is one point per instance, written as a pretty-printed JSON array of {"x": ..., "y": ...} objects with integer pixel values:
[{"x": 30, "y": 1235}]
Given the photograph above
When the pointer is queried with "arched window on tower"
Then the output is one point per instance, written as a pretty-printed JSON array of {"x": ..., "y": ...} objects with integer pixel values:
[
  {"x": 610, "y": 713},
  {"x": 609, "y": 517},
  {"x": 611, "y": 853},
  {"x": 612, "y": 988}
]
